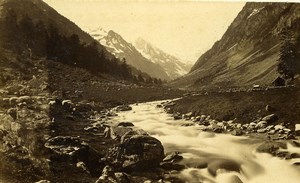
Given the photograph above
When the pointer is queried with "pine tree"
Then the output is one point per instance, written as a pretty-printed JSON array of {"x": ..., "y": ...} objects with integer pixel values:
[
  {"x": 140, "y": 78},
  {"x": 287, "y": 59}
]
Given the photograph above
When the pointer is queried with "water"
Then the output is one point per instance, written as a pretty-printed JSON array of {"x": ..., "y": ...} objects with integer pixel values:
[{"x": 199, "y": 148}]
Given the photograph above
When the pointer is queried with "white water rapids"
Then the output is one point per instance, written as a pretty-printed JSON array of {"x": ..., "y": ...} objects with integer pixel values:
[{"x": 199, "y": 147}]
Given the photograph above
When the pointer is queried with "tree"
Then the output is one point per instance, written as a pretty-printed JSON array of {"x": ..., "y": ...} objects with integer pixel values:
[
  {"x": 288, "y": 51},
  {"x": 125, "y": 70},
  {"x": 149, "y": 80},
  {"x": 27, "y": 27},
  {"x": 140, "y": 78},
  {"x": 159, "y": 82}
]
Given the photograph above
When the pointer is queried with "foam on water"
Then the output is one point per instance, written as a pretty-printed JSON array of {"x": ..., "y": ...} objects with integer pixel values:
[{"x": 198, "y": 146}]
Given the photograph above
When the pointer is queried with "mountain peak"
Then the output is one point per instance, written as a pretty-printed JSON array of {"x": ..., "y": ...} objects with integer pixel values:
[
  {"x": 172, "y": 65},
  {"x": 118, "y": 46}
]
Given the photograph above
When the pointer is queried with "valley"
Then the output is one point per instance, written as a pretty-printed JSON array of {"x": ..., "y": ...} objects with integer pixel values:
[{"x": 92, "y": 107}]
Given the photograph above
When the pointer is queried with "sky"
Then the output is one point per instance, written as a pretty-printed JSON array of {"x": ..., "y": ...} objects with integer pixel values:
[{"x": 182, "y": 28}]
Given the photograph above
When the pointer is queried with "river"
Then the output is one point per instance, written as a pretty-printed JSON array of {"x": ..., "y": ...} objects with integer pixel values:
[{"x": 199, "y": 148}]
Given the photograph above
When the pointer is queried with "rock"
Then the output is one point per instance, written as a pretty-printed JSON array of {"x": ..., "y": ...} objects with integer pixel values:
[
  {"x": 51, "y": 103},
  {"x": 138, "y": 152},
  {"x": 66, "y": 102},
  {"x": 189, "y": 114},
  {"x": 269, "y": 127},
  {"x": 271, "y": 132},
  {"x": 125, "y": 124},
  {"x": 159, "y": 106},
  {"x": 111, "y": 114},
  {"x": 297, "y": 127},
  {"x": 130, "y": 133},
  {"x": 188, "y": 124},
  {"x": 271, "y": 147},
  {"x": 237, "y": 132},
  {"x": 197, "y": 119},
  {"x": 292, "y": 156},
  {"x": 286, "y": 130},
  {"x": 231, "y": 179},
  {"x": 202, "y": 118},
  {"x": 123, "y": 108},
  {"x": 270, "y": 118},
  {"x": 170, "y": 160},
  {"x": 207, "y": 118},
  {"x": 278, "y": 127},
  {"x": 13, "y": 113},
  {"x": 43, "y": 181},
  {"x": 224, "y": 164},
  {"x": 262, "y": 130},
  {"x": 91, "y": 129},
  {"x": 68, "y": 147},
  {"x": 173, "y": 157},
  {"x": 177, "y": 116},
  {"x": 252, "y": 126},
  {"x": 216, "y": 128},
  {"x": 122, "y": 177},
  {"x": 107, "y": 175},
  {"x": 13, "y": 101},
  {"x": 261, "y": 124},
  {"x": 171, "y": 166},
  {"x": 82, "y": 166},
  {"x": 295, "y": 143}
]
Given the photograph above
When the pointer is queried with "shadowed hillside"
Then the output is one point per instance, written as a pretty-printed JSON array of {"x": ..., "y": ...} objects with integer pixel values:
[{"x": 250, "y": 50}]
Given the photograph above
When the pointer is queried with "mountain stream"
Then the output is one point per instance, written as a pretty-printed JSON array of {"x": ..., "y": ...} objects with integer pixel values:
[{"x": 205, "y": 150}]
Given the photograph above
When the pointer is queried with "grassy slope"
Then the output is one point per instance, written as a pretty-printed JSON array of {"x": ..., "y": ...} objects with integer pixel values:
[{"x": 245, "y": 106}]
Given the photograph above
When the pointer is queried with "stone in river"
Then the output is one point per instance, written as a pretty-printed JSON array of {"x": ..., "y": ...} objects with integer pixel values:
[
  {"x": 138, "y": 152},
  {"x": 271, "y": 147},
  {"x": 224, "y": 164},
  {"x": 125, "y": 124}
]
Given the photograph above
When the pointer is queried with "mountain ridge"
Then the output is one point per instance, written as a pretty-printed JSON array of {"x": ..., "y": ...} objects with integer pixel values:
[
  {"x": 249, "y": 50},
  {"x": 119, "y": 47}
]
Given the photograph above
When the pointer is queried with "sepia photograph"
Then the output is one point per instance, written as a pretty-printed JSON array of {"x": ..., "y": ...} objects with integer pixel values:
[{"x": 149, "y": 91}]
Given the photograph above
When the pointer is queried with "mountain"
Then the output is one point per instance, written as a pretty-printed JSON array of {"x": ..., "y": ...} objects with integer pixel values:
[
  {"x": 172, "y": 65},
  {"x": 43, "y": 32},
  {"x": 116, "y": 45},
  {"x": 250, "y": 50},
  {"x": 41, "y": 12}
]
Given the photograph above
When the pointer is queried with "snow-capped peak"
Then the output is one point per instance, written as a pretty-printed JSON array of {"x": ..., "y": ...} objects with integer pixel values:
[
  {"x": 172, "y": 65},
  {"x": 98, "y": 33}
]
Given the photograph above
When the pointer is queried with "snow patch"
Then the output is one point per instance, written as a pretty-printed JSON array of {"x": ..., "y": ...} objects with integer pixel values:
[{"x": 254, "y": 12}]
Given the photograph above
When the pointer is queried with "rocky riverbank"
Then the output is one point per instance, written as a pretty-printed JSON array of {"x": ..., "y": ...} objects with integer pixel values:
[
  {"x": 53, "y": 119},
  {"x": 270, "y": 128}
]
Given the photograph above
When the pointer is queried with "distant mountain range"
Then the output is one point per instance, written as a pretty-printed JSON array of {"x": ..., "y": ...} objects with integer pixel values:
[
  {"x": 249, "y": 51},
  {"x": 142, "y": 55},
  {"x": 172, "y": 65}
]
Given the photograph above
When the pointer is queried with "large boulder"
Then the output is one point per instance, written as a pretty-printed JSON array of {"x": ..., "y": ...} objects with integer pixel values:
[
  {"x": 138, "y": 152},
  {"x": 271, "y": 147}
]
